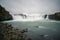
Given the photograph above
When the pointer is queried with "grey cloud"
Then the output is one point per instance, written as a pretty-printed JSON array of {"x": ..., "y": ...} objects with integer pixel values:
[{"x": 31, "y": 6}]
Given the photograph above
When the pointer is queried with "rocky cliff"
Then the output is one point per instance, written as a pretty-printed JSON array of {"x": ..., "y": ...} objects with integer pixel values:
[
  {"x": 55, "y": 16},
  {"x": 4, "y": 15}
]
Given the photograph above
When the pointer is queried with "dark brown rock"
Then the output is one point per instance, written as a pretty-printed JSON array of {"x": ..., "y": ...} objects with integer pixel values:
[
  {"x": 4, "y": 15},
  {"x": 45, "y": 16},
  {"x": 7, "y": 32}
]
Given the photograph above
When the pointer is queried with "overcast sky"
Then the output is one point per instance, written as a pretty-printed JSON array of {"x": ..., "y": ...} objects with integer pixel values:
[{"x": 31, "y": 6}]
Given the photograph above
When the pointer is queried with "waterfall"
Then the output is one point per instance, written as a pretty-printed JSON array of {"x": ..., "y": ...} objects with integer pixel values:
[
  {"x": 47, "y": 17},
  {"x": 30, "y": 17}
]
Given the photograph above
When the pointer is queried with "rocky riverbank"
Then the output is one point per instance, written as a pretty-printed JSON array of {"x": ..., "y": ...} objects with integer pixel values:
[{"x": 7, "y": 32}]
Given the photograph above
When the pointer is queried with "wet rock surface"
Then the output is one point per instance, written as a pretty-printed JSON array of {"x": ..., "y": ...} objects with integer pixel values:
[
  {"x": 4, "y": 15},
  {"x": 7, "y": 32}
]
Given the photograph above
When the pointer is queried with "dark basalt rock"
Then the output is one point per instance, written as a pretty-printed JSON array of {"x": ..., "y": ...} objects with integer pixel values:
[
  {"x": 55, "y": 16},
  {"x": 45, "y": 16},
  {"x": 4, "y": 15},
  {"x": 7, "y": 32}
]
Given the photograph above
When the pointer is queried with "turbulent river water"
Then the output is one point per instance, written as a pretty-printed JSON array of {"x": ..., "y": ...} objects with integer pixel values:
[{"x": 37, "y": 28}]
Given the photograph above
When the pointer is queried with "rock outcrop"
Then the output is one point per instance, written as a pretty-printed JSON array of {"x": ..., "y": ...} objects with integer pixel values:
[
  {"x": 45, "y": 16},
  {"x": 7, "y": 32},
  {"x": 55, "y": 16},
  {"x": 4, "y": 15}
]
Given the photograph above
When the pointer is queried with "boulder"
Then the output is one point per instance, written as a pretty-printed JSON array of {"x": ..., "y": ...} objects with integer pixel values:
[
  {"x": 4, "y": 15},
  {"x": 55, "y": 16}
]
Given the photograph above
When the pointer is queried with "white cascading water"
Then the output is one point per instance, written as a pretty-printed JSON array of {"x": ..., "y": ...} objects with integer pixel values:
[
  {"x": 47, "y": 18},
  {"x": 30, "y": 17}
]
